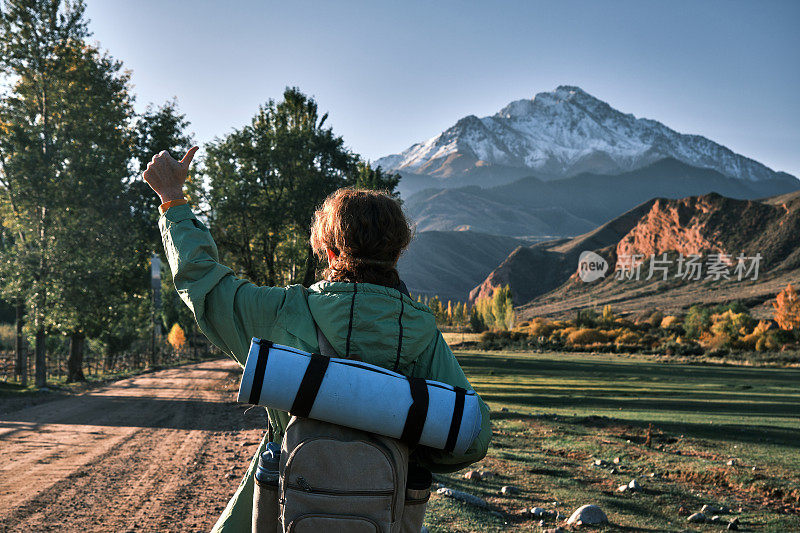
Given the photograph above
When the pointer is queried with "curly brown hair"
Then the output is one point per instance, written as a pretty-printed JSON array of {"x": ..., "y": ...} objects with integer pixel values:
[{"x": 367, "y": 230}]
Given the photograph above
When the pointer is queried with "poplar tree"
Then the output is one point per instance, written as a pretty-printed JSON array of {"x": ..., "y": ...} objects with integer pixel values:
[
  {"x": 98, "y": 262},
  {"x": 35, "y": 37}
]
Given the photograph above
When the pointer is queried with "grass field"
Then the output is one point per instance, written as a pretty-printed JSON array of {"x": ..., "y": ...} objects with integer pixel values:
[{"x": 554, "y": 414}]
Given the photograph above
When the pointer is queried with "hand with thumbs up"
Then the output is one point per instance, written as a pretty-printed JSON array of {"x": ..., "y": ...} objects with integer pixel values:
[{"x": 166, "y": 176}]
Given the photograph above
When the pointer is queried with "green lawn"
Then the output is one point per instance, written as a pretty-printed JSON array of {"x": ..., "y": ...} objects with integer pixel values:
[{"x": 554, "y": 414}]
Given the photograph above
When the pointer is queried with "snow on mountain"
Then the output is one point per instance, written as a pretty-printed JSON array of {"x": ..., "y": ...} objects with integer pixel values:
[{"x": 563, "y": 133}]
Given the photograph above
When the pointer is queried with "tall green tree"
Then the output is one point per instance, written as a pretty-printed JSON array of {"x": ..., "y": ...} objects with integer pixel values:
[
  {"x": 35, "y": 38},
  {"x": 96, "y": 258},
  {"x": 68, "y": 180},
  {"x": 265, "y": 180}
]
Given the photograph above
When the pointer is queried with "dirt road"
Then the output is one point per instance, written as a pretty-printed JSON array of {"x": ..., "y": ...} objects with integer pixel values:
[{"x": 159, "y": 452}]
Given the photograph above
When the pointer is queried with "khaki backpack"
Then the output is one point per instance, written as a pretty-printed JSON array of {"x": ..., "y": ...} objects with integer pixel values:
[{"x": 335, "y": 479}]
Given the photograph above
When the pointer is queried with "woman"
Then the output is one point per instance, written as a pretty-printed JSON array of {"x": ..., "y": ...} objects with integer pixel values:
[{"x": 362, "y": 307}]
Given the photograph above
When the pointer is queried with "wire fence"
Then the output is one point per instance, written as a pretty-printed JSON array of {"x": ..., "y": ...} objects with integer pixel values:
[{"x": 97, "y": 364}]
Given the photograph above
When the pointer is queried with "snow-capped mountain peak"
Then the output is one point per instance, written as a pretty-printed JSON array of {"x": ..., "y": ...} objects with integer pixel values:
[{"x": 562, "y": 133}]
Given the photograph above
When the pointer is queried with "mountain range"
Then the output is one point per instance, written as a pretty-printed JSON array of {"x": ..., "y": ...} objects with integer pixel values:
[
  {"x": 535, "y": 208},
  {"x": 555, "y": 135},
  {"x": 563, "y": 170}
]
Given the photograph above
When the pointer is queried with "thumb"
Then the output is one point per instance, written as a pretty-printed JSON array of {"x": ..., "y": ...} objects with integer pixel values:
[{"x": 187, "y": 159}]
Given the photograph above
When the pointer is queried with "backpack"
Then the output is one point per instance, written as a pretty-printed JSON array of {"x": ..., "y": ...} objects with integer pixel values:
[{"x": 336, "y": 479}]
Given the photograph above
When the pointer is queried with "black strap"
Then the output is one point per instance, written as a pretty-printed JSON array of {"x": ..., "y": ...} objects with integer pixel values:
[
  {"x": 309, "y": 386},
  {"x": 417, "y": 412},
  {"x": 261, "y": 368},
  {"x": 455, "y": 423},
  {"x": 400, "y": 338},
  {"x": 350, "y": 324}
]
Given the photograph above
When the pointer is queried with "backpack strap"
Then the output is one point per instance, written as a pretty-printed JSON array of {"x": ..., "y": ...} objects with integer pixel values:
[
  {"x": 312, "y": 379},
  {"x": 309, "y": 385},
  {"x": 417, "y": 412}
]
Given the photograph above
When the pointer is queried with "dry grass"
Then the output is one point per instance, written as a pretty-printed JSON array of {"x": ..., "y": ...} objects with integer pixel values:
[{"x": 563, "y": 410}]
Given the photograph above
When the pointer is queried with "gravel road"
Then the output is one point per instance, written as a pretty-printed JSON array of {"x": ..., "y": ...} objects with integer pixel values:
[{"x": 163, "y": 451}]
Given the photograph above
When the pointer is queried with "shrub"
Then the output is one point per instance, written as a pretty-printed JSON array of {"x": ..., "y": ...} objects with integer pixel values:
[
  {"x": 585, "y": 336},
  {"x": 501, "y": 339},
  {"x": 624, "y": 322},
  {"x": 670, "y": 322},
  {"x": 766, "y": 342},
  {"x": 176, "y": 337},
  {"x": 787, "y": 309},
  {"x": 736, "y": 307},
  {"x": 612, "y": 334},
  {"x": 732, "y": 323},
  {"x": 541, "y": 327},
  {"x": 697, "y": 320},
  {"x": 654, "y": 320},
  {"x": 629, "y": 338},
  {"x": 678, "y": 347},
  {"x": 715, "y": 342},
  {"x": 751, "y": 340}
]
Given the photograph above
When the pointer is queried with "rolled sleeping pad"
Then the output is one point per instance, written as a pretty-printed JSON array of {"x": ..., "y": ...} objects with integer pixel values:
[{"x": 361, "y": 396}]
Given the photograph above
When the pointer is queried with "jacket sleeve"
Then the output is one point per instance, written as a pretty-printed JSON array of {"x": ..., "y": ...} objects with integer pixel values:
[
  {"x": 445, "y": 368},
  {"x": 228, "y": 310}
]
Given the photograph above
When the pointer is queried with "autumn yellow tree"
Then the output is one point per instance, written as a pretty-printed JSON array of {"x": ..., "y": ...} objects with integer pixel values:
[
  {"x": 176, "y": 337},
  {"x": 787, "y": 309}
]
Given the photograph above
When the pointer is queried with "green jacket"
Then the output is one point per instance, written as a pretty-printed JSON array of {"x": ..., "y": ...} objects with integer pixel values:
[{"x": 378, "y": 324}]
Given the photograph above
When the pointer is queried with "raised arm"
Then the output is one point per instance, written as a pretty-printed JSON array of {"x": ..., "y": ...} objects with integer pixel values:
[{"x": 230, "y": 311}]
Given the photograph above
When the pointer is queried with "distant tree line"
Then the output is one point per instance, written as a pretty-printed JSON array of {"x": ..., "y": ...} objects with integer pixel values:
[
  {"x": 488, "y": 312},
  {"x": 78, "y": 226},
  {"x": 723, "y": 330}
]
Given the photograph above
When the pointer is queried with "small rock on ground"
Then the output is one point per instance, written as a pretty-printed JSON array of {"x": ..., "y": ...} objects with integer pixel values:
[
  {"x": 486, "y": 474},
  {"x": 462, "y": 496},
  {"x": 473, "y": 475},
  {"x": 588, "y": 515},
  {"x": 509, "y": 490}
]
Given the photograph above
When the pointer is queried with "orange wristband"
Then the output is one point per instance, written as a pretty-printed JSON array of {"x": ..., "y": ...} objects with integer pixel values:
[{"x": 172, "y": 203}]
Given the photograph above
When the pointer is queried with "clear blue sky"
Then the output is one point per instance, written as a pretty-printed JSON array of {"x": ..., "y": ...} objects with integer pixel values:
[{"x": 393, "y": 73}]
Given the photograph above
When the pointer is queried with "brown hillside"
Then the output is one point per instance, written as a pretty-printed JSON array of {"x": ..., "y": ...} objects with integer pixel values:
[
  {"x": 534, "y": 270},
  {"x": 544, "y": 278}
]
